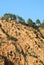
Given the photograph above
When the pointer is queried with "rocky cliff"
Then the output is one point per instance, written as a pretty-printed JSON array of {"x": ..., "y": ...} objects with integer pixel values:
[{"x": 20, "y": 44}]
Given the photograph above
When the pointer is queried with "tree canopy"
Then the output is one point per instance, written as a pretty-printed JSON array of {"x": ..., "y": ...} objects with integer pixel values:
[
  {"x": 38, "y": 22},
  {"x": 9, "y": 16},
  {"x": 42, "y": 25}
]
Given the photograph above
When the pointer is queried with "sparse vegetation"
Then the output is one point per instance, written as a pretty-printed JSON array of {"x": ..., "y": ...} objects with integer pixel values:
[{"x": 30, "y": 23}]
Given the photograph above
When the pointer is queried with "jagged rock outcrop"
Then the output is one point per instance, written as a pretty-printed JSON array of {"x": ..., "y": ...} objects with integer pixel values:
[{"x": 20, "y": 44}]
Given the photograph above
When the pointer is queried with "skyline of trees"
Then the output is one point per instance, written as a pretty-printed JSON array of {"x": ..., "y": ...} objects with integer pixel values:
[{"x": 29, "y": 22}]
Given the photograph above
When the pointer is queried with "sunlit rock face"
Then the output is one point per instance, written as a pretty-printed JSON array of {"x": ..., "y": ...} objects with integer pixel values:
[{"x": 20, "y": 44}]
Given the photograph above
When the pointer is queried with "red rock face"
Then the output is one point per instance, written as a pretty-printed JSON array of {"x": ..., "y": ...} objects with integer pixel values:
[{"x": 20, "y": 45}]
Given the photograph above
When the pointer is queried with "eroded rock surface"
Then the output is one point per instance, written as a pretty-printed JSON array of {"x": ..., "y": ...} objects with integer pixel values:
[{"x": 20, "y": 45}]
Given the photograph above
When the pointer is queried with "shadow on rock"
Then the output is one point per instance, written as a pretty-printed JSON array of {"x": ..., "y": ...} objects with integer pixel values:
[{"x": 6, "y": 61}]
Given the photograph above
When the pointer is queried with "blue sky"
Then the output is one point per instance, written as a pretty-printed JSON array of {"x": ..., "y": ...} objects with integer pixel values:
[{"x": 33, "y": 9}]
